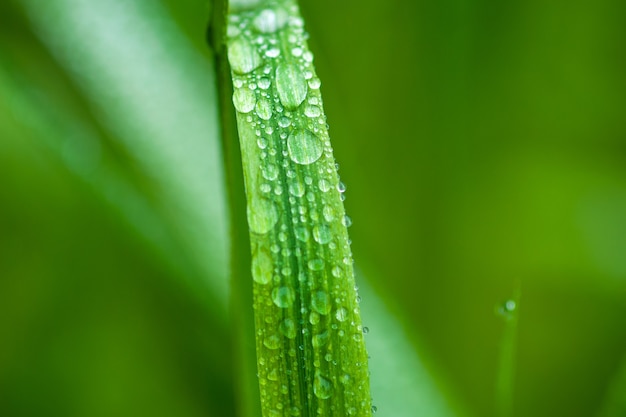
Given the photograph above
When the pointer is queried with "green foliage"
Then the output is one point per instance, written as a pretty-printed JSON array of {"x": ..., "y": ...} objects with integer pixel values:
[{"x": 482, "y": 145}]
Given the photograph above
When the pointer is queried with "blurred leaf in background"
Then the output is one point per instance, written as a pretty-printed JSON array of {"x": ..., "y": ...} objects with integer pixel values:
[{"x": 483, "y": 143}]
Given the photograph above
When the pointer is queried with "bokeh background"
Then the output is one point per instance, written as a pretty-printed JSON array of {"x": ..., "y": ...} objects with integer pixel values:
[{"x": 484, "y": 148}]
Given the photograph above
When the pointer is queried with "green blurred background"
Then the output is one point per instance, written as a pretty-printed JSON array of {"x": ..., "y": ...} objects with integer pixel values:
[{"x": 484, "y": 147}]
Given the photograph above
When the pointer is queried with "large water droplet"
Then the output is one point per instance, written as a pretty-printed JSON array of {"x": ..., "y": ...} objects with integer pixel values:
[
  {"x": 322, "y": 234},
  {"x": 269, "y": 21},
  {"x": 296, "y": 189},
  {"x": 322, "y": 387},
  {"x": 262, "y": 215},
  {"x": 288, "y": 328},
  {"x": 283, "y": 297},
  {"x": 291, "y": 85},
  {"x": 262, "y": 267},
  {"x": 244, "y": 100},
  {"x": 243, "y": 56},
  {"x": 304, "y": 147},
  {"x": 320, "y": 302},
  {"x": 302, "y": 234}
]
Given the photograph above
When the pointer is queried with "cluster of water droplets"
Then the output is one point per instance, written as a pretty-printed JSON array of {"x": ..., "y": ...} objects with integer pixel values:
[{"x": 306, "y": 306}]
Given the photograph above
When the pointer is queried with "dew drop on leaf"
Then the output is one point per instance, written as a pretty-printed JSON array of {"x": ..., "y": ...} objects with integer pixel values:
[
  {"x": 320, "y": 339},
  {"x": 288, "y": 328},
  {"x": 322, "y": 387},
  {"x": 320, "y": 302},
  {"x": 243, "y": 56},
  {"x": 341, "y": 314},
  {"x": 283, "y": 297},
  {"x": 304, "y": 147},
  {"x": 302, "y": 234},
  {"x": 262, "y": 215},
  {"x": 244, "y": 100},
  {"x": 269, "y": 20},
  {"x": 316, "y": 264},
  {"x": 272, "y": 342},
  {"x": 322, "y": 234},
  {"x": 291, "y": 85},
  {"x": 264, "y": 109},
  {"x": 262, "y": 267}
]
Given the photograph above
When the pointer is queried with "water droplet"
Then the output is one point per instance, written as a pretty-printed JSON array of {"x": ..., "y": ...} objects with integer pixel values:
[
  {"x": 262, "y": 215},
  {"x": 312, "y": 111},
  {"x": 314, "y": 318},
  {"x": 366, "y": 330},
  {"x": 307, "y": 56},
  {"x": 291, "y": 85},
  {"x": 316, "y": 264},
  {"x": 322, "y": 234},
  {"x": 262, "y": 142},
  {"x": 507, "y": 308},
  {"x": 297, "y": 189},
  {"x": 328, "y": 213},
  {"x": 272, "y": 52},
  {"x": 322, "y": 387},
  {"x": 273, "y": 375},
  {"x": 270, "y": 172},
  {"x": 315, "y": 83},
  {"x": 264, "y": 109},
  {"x": 341, "y": 187},
  {"x": 320, "y": 340},
  {"x": 374, "y": 409},
  {"x": 264, "y": 83},
  {"x": 243, "y": 56},
  {"x": 272, "y": 342},
  {"x": 283, "y": 297},
  {"x": 324, "y": 185},
  {"x": 337, "y": 271},
  {"x": 341, "y": 314},
  {"x": 262, "y": 267},
  {"x": 284, "y": 122},
  {"x": 288, "y": 328},
  {"x": 304, "y": 147},
  {"x": 302, "y": 234},
  {"x": 244, "y": 100},
  {"x": 269, "y": 21},
  {"x": 320, "y": 302}
]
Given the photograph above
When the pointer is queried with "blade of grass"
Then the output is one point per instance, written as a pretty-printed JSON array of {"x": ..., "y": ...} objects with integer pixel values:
[
  {"x": 311, "y": 357},
  {"x": 509, "y": 311}
]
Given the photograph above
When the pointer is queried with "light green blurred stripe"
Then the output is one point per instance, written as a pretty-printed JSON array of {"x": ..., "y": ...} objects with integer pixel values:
[
  {"x": 401, "y": 383},
  {"x": 156, "y": 94}
]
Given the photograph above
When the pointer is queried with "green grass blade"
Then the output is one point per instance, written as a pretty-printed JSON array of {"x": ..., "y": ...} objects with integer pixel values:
[{"x": 309, "y": 339}]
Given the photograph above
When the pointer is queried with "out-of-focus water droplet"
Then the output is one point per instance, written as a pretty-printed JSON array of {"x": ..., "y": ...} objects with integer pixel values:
[
  {"x": 346, "y": 221},
  {"x": 322, "y": 234},
  {"x": 320, "y": 302},
  {"x": 243, "y": 56},
  {"x": 341, "y": 314},
  {"x": 322, "y": 386},
  {"x": 302, "y": 234},
  {"x": 314, "y": 318},
  {"x": 273, "y": 375},
  {"x": 291, "y": 85},
  {"x": 270, "y": 20},
  {"x": 272, "y": 52},
  {"x": 507, "y": 308},
  {"x": 272, "y": 342},
  {"x": 304, "y": 147},
  {"x": 262, "y": 215},
  {"x": 288, "y": 328},
  {"x": 316, "y": 264},
  {"x": 307, "y": 56},
  {"x": 244, "y": 100},
  {"x": 264, "y": 109},
  {"x": 320, "y": 339},
  {"x": 374, "y": 409},
  {"x": 264, "y": 83},
  {"x": 283, "y": 296},
  {"x": 262, "y": 267},
  {"x": 366, "y": 330}
]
